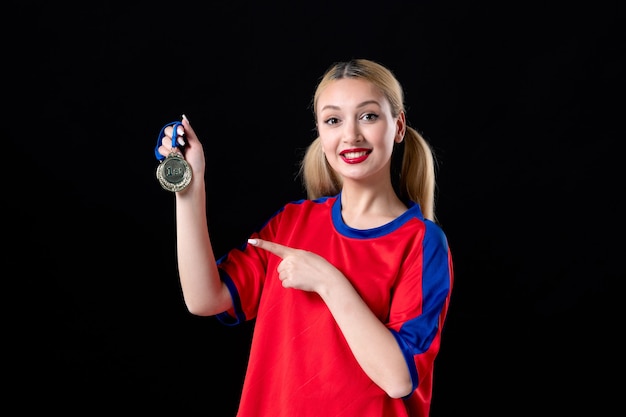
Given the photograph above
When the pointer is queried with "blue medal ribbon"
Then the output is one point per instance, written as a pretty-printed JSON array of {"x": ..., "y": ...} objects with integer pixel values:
[{"x": 160, "y": 139}]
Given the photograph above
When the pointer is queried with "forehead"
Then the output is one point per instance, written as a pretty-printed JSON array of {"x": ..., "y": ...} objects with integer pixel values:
[{"x": 346, "y": 92}]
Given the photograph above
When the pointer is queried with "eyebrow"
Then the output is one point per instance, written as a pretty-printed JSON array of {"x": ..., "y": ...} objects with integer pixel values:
[{"x": 363, "y": 104}]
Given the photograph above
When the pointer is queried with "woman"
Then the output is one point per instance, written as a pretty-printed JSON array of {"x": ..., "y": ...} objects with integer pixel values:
[{"x": 349, "y": 287}]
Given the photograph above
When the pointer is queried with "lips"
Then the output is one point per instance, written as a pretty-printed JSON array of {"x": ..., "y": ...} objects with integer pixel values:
[{"x": 354, "y": 156}]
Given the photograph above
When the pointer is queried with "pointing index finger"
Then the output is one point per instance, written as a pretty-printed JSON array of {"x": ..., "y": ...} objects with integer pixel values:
[{"x": 275, "y": 248}]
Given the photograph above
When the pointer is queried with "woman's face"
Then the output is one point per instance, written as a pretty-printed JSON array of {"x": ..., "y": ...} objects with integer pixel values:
[{"x": 356, "y": 129}]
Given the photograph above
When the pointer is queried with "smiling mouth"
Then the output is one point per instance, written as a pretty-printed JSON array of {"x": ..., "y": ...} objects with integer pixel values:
[{"x": 353, "y": 157}]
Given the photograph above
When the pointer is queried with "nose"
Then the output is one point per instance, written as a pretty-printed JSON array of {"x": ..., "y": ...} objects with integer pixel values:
[{"x": 352, "y": 132}]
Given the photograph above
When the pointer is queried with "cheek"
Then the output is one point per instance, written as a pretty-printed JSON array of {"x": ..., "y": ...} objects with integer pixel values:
[
  {"x": 325, "y": 143},
  {"x": 330, "y": 140}
]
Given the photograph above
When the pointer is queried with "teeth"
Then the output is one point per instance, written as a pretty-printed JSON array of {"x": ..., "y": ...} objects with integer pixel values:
[{"x": 352, "y": 155}]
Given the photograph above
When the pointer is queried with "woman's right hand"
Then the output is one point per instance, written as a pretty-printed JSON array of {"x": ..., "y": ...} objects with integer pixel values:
[{"x": 192, "y": 149}]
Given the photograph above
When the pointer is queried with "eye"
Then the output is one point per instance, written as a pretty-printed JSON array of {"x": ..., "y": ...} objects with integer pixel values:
[
  {"x": 331, "y": 121},
  {"x": 369, "y": 117}
]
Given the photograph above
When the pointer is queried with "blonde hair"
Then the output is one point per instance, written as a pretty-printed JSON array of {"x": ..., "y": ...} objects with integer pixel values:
[{"x": 413, "y": 161}]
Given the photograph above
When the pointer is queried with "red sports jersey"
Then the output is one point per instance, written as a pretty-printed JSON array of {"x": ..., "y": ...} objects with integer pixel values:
[{"x": 300, "y": 364}]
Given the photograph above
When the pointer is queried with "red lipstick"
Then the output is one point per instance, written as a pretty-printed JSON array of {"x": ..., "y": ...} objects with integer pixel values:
[{"x": 355, "y": 156}]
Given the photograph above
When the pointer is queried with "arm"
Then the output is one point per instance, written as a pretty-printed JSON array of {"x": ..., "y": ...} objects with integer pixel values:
[
  {"x": 203, "y": 291},
  {"x": 371, "y": 342}
]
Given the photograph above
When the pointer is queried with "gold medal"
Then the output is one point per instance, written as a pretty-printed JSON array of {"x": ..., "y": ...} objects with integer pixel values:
[{"x": 173, "y": 172}]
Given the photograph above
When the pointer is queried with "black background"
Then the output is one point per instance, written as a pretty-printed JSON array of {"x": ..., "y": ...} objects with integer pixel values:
[{"x": 520, "y": 102}]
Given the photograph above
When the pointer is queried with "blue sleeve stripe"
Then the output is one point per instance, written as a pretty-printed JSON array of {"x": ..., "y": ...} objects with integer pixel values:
[
  {"x": 416, "y": 335},
  {"x": 408, "y": 357},
  {"x": 225, "y": 317}
]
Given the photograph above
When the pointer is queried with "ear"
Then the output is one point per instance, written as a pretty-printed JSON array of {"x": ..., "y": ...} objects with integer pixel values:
[{"x": 400, "y": 127}]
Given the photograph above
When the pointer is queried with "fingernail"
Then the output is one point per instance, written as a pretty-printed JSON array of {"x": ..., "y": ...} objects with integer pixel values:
[
  {"x": 185, "y": 117},
  {"x": 253, "y": 241}
]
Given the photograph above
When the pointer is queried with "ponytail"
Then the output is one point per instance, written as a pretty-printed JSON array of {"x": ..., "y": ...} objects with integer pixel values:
[
  {"x": 318, "y": 177},
  {"x": 417, "y": 176}
]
